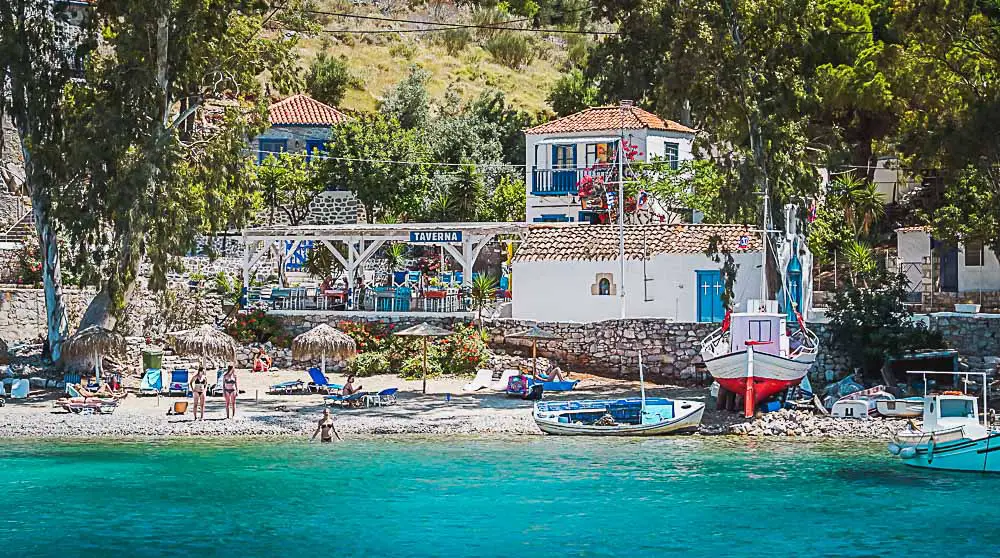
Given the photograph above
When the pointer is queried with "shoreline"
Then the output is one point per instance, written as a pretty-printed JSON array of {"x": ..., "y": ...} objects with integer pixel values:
[{"x": 445, "y": 411}]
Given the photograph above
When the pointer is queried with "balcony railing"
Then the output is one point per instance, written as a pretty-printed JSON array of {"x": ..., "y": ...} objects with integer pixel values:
[{"x": 557, "y": 182}]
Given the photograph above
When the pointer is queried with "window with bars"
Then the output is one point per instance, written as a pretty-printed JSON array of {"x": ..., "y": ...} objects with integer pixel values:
[{"x": 974, "y": 254}]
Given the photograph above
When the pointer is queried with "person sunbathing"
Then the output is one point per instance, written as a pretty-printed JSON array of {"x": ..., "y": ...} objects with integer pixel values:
[
  {"x": 351, "y": 389},
  {"x": 553, "y": 374}
]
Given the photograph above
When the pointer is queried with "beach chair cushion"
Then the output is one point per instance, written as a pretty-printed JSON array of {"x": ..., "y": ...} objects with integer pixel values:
[
  {"x": 555, "y": 386},
  {"x": 335, "y": 398},
  {"x": 152, "y": 381},
  {"x": 19, "y": 389}
]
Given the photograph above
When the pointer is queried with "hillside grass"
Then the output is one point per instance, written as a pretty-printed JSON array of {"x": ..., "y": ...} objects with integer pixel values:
[{"x": 381, "y": 61}]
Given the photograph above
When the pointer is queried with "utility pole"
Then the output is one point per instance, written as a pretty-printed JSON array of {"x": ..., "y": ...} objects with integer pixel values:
[{"x": 621, "y": 205}]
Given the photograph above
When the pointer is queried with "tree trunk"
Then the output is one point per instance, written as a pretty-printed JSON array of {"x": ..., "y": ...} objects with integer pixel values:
[{"x": 55, "y": 307}]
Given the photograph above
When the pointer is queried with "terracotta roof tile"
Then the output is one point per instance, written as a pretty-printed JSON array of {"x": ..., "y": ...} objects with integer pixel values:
[
  {"x": 573, "y": 242},
  {"x": 303, "y": 110},
  {"x": 608, "y": 118},
  {"x": 918, "y": 228}
]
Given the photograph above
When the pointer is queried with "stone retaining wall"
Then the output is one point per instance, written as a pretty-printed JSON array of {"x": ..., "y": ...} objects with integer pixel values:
[
  {"x": 22, "y": 311},
  {"x": 301, "y": 323}
]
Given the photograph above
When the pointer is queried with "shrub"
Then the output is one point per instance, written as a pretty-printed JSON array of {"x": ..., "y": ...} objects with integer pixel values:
[
  {"x": 329, "y": 78},
  {"x": 871, "y": 323},
  {"x": 462, "y": 353},
  {"x": 510, "y": 48},
  {"x": 455, "y": 40},
  {"x": 369, "y": 336},
  {"x": 258, "y": 327},
  {"x": 370, "y": 364},
  {"x": 413, "y": 367},
  {"x": 29, "y": 264}
]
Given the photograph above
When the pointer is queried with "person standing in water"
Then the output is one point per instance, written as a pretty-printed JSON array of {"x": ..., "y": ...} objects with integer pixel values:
[
  {"x": 325, "y": 427},
  {"x": 230, "y": 388},
  {"x": 199, "y": 385}
]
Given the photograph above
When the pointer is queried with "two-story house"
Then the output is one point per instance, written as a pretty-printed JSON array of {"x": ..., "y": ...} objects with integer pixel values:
[
  {"x": 563, "y": 151},
  {"x": 298, "y": 124}
]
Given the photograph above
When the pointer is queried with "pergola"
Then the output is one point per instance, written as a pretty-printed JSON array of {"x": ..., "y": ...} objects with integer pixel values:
[{"x": 463, "y": 241}]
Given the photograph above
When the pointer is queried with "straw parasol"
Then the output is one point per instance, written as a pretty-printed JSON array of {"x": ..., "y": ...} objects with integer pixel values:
[
  {"x": 425, "y": 330},
  {"x": 92, "y": 342},
  {"x": 535, "y": 334},
  {"x": 204, "y": 341},
  {"x": 323, "y": 340}
]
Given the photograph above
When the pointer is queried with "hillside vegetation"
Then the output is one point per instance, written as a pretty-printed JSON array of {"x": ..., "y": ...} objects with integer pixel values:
[{"x": 454, "y": 59}]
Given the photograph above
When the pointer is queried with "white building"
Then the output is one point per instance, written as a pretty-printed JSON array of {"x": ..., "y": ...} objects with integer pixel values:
[
  {"x": 569, "y": 272},
  {"x": 561, "y": 152},
  {"x": 969, "y": 267}
]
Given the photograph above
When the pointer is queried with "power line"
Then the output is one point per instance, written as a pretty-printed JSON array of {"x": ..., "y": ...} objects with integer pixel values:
[{"x": 395, "y": 20}]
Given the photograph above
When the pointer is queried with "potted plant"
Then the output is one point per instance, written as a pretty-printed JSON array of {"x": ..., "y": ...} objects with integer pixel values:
[{"x": 967, "y": 307}]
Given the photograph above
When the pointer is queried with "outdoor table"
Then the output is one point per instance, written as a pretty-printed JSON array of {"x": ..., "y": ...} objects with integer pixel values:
[{"x": 435, "y": 300}]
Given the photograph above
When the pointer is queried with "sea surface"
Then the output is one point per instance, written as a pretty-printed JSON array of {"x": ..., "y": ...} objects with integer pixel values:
[{"x": 543, "y": 496}]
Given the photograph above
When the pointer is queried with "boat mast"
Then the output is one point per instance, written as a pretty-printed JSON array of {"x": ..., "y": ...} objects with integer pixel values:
[
  {"x": 642, "y": 385},
  {"x": 621, "y": 206}
]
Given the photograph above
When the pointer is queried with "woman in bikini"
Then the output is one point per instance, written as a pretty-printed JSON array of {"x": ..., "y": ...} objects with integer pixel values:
[
  {"x": 261, "y": 361},
  {"x": 325, "y": 427},
  {"x": 230, "y": 388},
  {"x": 199, "y": 384}
]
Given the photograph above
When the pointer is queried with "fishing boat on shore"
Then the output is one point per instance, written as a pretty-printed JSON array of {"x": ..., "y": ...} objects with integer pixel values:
[
  {"x": 910, "y": 407},
  {"x": 954, "y": 436},
  {"x": 753, "y": 355},
  {"x": 636, "y": 416}
]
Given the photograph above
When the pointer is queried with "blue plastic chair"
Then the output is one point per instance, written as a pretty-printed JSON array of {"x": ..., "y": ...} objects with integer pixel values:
[
  {"x": 178, "y": 382},
  {"x": 504, "y": 282},
  {"x": 398, "y": 278},
  {"x": 336, "y": 398},
  {"x": 458, "y": 277},
  {"x": 413, "y": 277},
  {"x": 387, "y": 396}
]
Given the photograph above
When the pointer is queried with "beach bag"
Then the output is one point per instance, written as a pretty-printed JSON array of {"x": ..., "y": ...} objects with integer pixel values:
[{"x": 517, "y": 385}]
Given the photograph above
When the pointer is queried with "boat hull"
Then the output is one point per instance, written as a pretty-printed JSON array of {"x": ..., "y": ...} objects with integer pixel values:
[
  {"x": 687, "y": 420},
  {"x": 771, "y": 375},
  {"x": 963, "y": 454},
  {"x": 900, "y": 408}
]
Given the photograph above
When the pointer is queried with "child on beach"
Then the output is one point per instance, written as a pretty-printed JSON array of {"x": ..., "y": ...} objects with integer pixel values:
[{"x": 325, "y": 427}]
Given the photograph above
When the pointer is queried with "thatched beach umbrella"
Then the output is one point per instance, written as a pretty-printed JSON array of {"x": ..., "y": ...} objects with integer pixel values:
[
  {"x": 535, "y": 334},
  {"x": 92, "y": 342},
  {"x": 425, "y": 330},
  {"x": 323, "y": 340},
  {"x": 204, "y": 341}
]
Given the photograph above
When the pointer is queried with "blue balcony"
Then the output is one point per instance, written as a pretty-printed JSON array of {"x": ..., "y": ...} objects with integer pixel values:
[{"x": 556, "y": 182}]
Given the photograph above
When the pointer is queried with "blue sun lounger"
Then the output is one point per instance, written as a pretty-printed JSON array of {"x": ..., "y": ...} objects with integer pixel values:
[
  {"x": 555, "y": 386},
  {"x": 336, "y": 398},
  {"x": 178, "y": 382},
  {"x": 320, "y": 382},
  {"x": 152, "y": 382},
  {"x": 288, "y": 387}
]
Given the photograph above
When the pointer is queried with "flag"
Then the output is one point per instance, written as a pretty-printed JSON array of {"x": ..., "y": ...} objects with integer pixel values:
[{"x": 642, "y": 200}]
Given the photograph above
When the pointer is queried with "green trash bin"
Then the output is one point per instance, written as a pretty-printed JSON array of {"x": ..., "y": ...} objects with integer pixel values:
[{"x": 152, "y": 357}]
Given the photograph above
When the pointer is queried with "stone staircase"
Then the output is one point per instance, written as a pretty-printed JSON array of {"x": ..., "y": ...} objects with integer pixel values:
[{"x": 22, "y": 230}]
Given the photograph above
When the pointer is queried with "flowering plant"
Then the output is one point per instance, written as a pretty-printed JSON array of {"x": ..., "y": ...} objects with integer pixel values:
[{"x": 256, "y": 326}]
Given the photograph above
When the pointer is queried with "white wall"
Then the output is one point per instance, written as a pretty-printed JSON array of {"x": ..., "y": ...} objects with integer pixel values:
[
  {"x": 911, "y": 248},
  {"x": 979, "y": 278},
  {"x": 561, "y": 291}
]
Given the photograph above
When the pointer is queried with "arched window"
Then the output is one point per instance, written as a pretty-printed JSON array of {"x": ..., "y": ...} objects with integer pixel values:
[{"x": 604, "y": 287}]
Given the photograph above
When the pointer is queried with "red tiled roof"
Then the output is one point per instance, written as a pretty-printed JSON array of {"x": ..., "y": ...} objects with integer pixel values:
[
  {"x": 608, "y": 118},
  {"x": 303, "y": 110},
  {"x": 573, "y": 242},
  {"x": 924, "y": 228}
]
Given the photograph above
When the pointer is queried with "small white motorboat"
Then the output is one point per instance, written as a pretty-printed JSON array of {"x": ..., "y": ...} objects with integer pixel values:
[
  {"x": 954, "y": 435},
  {"x": 911, "y": 407}
]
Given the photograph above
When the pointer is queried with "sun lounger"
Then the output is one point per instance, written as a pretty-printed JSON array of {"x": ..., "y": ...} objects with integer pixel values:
[
  {"x": 215, "y": 390},
  {"x": 152, "y": 382},
  {"x": 288, "y": 387},
  {"x": 387, "y": 396},
  {"x": 344, "y": 401},
  {"x": 483, "y": 379},
  {"x": 320, "y": 383},
  {"x": 555, "y": 386},
  {"x": 87, "y": 407},
  {"x": 178, "y": 382}
]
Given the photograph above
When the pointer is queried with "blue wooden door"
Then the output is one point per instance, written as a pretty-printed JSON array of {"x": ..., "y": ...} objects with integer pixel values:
[
  {"x": 710, "y": 290},
  {"x": 564, "y": 168},
  {"x": 949, "y": 270}
]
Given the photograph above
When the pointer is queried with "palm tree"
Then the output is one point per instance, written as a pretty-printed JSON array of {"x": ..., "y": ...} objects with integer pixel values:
[
  {"x": 860, "y": 201},
  {"x": 395, "y": 257},
  {"x": 484, "y": 289},
  {"x": 861, "y": 259}
]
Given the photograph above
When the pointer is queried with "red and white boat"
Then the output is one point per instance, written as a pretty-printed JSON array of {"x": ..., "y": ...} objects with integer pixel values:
[{"x": 753, "y": 354}]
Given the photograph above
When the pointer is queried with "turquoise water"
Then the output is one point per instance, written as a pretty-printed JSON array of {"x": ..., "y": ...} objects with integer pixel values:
[{"x": 469, "y": 497}]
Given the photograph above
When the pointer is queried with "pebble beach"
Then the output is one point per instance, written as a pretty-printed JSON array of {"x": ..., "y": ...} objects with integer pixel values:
[{"x": 444, "y": 411}]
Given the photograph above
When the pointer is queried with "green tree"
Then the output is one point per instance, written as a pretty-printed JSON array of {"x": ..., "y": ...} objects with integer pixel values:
[
  {"x": 34, "y": 73},
  {"x": 483, "y": 294},
  {"x": 381, "y": 162},
  {"x": 506, "y": 203},
  {"x": 329, "y": 79},
  {"x": 150, "y": 174},
  {"x": 572, "y": 92},
  {"x": 408, "y": 102},
  {"x": 502, "y": 122},
  {"x": 870, "y": 324},
  {"x": 289, "y": 183}
]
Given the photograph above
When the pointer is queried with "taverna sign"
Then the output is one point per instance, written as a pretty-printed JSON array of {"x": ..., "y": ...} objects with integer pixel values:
[{"x": 435, "y": 237}]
